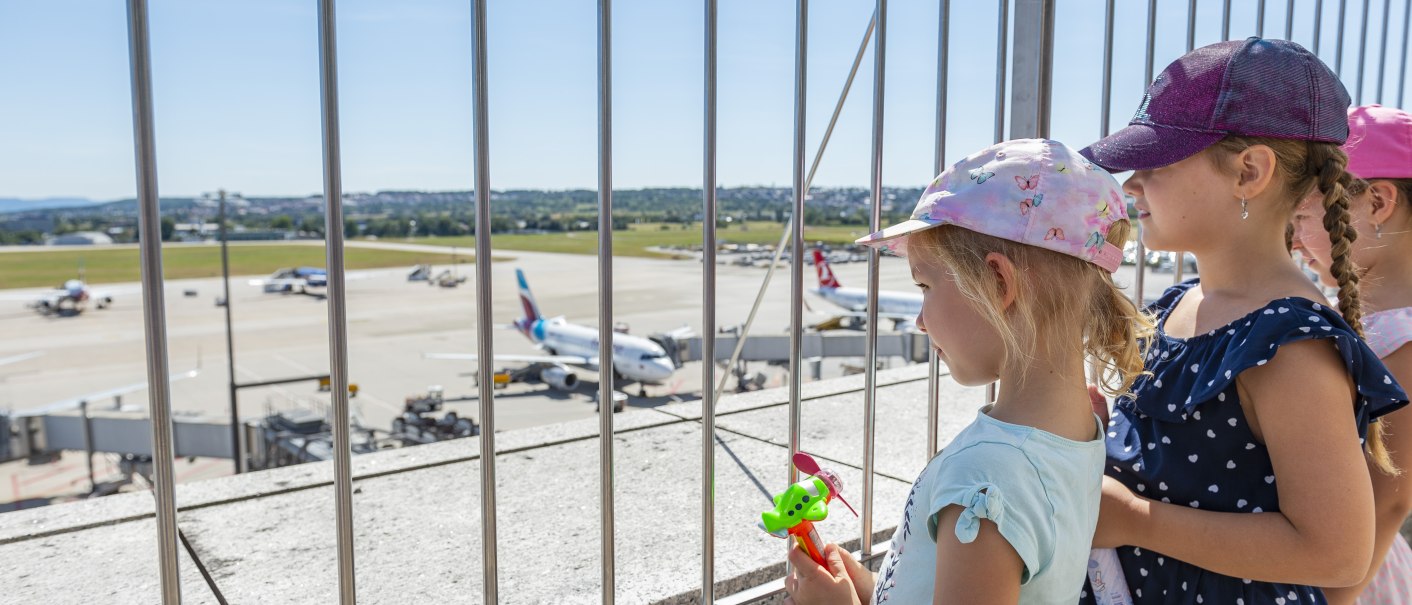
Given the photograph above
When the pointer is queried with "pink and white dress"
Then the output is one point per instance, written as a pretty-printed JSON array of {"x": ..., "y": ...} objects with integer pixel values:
[{"x": 1386, "y": 332}]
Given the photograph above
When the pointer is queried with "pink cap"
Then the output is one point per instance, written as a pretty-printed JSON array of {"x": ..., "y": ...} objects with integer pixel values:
[
  {"x": 1379, "y": 142},
  {"x": 1032, "y": 191}
]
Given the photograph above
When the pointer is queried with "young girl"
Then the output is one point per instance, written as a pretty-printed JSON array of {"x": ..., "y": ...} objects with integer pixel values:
[
  {"x": 1379, "y": 152},
  {"x": 1013, "y": 249},
  {"x": 1235, "y": 469}
]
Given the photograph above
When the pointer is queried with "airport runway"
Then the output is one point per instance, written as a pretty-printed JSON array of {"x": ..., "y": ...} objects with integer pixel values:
[{"x": 392, "y": 322}]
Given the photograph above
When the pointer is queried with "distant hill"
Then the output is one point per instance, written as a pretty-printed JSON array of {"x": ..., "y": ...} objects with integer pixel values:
[{"x": 8, "y": 205}]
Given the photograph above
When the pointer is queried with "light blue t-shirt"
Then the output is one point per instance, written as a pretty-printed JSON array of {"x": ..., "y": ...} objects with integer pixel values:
[{"x": 1041, "y": 490}]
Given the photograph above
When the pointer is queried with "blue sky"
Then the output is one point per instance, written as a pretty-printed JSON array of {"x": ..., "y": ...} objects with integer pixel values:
[{"x": 236, "y": 89}]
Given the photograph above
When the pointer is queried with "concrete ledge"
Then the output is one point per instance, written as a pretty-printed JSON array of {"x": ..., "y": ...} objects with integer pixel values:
[{"x": 269, "y": 536}]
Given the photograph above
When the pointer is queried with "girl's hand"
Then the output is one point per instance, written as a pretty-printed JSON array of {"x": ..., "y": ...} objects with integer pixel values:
[
  {"x": 864, "y": 581},
  {"x": 811, "y": 584},
  {"x": 1117, "y": 516}
]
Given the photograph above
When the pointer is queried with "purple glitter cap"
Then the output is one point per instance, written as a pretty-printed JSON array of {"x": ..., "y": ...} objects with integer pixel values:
[{"x": 1252, "y": 87}]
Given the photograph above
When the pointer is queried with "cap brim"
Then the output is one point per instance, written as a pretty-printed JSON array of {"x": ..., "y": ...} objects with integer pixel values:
[
  {"x": 1145, "y": 146},
  {"x": 894, "y": 238}
]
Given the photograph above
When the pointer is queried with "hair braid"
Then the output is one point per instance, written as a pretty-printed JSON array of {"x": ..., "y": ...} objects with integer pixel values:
[{"x": 1333, "y": 181}]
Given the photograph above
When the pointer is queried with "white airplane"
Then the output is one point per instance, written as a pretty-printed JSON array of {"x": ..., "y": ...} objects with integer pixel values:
[
  {"x": 71, "y": 298},
  {"x": 635, "y": 359},
  {"x": 900, "y": 307}
]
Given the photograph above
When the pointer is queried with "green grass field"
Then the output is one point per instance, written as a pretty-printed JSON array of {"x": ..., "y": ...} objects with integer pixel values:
[
  {"x": 639, "y": 237},
  {"x": 51, "y": 267}
]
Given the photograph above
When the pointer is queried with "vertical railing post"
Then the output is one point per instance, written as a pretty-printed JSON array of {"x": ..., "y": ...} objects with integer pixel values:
[
  {"x": 337, "y": 302},
  {"x": 1406, "y": 31},
  {"x": 1226, "y": 21},
  {"x": 870, "y": 354},
  {"x": 1191, "y": 25},
  {"x": 943, "y": 42},
  {"x": 1179, "y": 270},
  {"x": 1289, "y": 20},
  {"x": 796, "y": 256},
  {"x": 154, "y": 306},
  {"x": 708, "y": 309},
  {"x": 1034, "y": 61},
  {"x": 1362, "y": 52},
  {"x": 1382, "y": 54},
  {"x": 1318, "y": 24},
  {"x": 606, "y": 405},
  {"x": 1260, "y": 19},
  {"x": 231, "y": 391},
  {"x": 485, "y": 321},
  {"x": 1338, "y": 39},
  {"x": 1001, "y": 48}
]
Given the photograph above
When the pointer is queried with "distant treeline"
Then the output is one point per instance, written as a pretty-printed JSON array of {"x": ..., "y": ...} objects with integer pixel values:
[{"x": 403, "y": 213}]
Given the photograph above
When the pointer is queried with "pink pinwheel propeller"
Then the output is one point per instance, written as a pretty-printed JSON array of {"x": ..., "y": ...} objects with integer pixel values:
[{"x": 807, "y": 465}]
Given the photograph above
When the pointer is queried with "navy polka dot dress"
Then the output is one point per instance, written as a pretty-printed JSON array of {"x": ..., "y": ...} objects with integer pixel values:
[{"x": 1182, "y": 438}]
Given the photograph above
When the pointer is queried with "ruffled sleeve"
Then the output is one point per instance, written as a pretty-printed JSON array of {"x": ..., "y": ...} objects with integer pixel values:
[
  {"x": 1188, "y": 373},
  {"x": 996, "y": 482}
]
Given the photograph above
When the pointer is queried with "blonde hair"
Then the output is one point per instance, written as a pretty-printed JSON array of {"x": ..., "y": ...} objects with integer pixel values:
[
  {"x": 1305, "y": 166},
  {"x": 1056, "y": 292}
]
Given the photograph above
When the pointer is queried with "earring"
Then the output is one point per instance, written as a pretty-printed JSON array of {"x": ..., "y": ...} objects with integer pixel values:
[
  {"x": 1377, "y": 231},
  {"x": 1244, "y": 209}
]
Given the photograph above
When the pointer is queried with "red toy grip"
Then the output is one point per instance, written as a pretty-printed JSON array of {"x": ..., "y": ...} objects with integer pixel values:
[{"x": 808, "y": 540}]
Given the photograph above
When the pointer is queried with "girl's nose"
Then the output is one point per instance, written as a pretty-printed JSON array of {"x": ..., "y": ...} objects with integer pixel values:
[
  {"x": 1133, "y": 186},
  {"x": 921, "y": 326}
]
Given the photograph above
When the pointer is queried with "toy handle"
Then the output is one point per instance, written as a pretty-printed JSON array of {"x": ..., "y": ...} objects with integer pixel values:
[
  {"x": 808, "y": 540},
  {"x": 1105, "y": 575}
]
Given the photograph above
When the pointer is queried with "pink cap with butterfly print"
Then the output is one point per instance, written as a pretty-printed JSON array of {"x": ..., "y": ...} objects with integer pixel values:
[{"x": 1032, "y": 191}]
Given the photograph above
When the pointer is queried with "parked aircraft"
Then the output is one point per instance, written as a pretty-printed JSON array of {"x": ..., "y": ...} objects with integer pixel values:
[
  {"x": 900, "y": 307},
  {"x": 566, "y": 345}
]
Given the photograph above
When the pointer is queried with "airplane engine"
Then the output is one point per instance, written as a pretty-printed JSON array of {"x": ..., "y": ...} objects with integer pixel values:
[
  {"x": 560, "y": 378},
  {"x": 104, "y": 301}
]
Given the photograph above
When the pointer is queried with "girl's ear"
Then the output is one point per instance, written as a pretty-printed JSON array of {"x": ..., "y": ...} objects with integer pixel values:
[
  {"x": 1255, "y": 167},
  {"x": 1383, "y": 196},
  {"x": 1005, "y": 275}
]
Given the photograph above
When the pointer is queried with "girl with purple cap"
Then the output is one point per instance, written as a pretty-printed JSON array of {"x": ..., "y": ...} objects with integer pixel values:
[
  {"x": 1014, "y": 249},
  {"x": 1379, "y": 152},
  {"x": 1236, "y": 469}
]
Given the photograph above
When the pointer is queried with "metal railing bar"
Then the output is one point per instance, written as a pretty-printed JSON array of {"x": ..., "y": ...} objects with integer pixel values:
[
  {"x": 606, "y": 404},
  {"x": 796, "y": 290},
  {"x": 337, "y": 302},
  {"x": 943, "y": 43},
  {"x": 485, "y": 321},
  {"x": 1318, "y": 24},
  {"x": 1382, "y": 54},
  {"x": 870, "y": 354},
  {"x": 1002, "y": 46},
  {"x": 153, "y": 301},
  {"x": 1406, "y": 30},
  {"x": 1338, "y": 43},
  {"x": 708, "y": 308},
  {"x": 1362, "y": 52},
  {"x": 1226, "y": 21}
]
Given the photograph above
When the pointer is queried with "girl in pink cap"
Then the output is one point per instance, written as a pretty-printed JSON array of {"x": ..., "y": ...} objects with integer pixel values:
[
  {"x": 1013, "y": 249},
  {"x": 1379, "y": 151}
]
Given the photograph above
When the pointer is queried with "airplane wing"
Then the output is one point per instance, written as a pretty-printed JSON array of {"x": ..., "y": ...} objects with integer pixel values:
[
  {"x": 569, "y": 359},
  {"x": 73, "y": 402}
]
